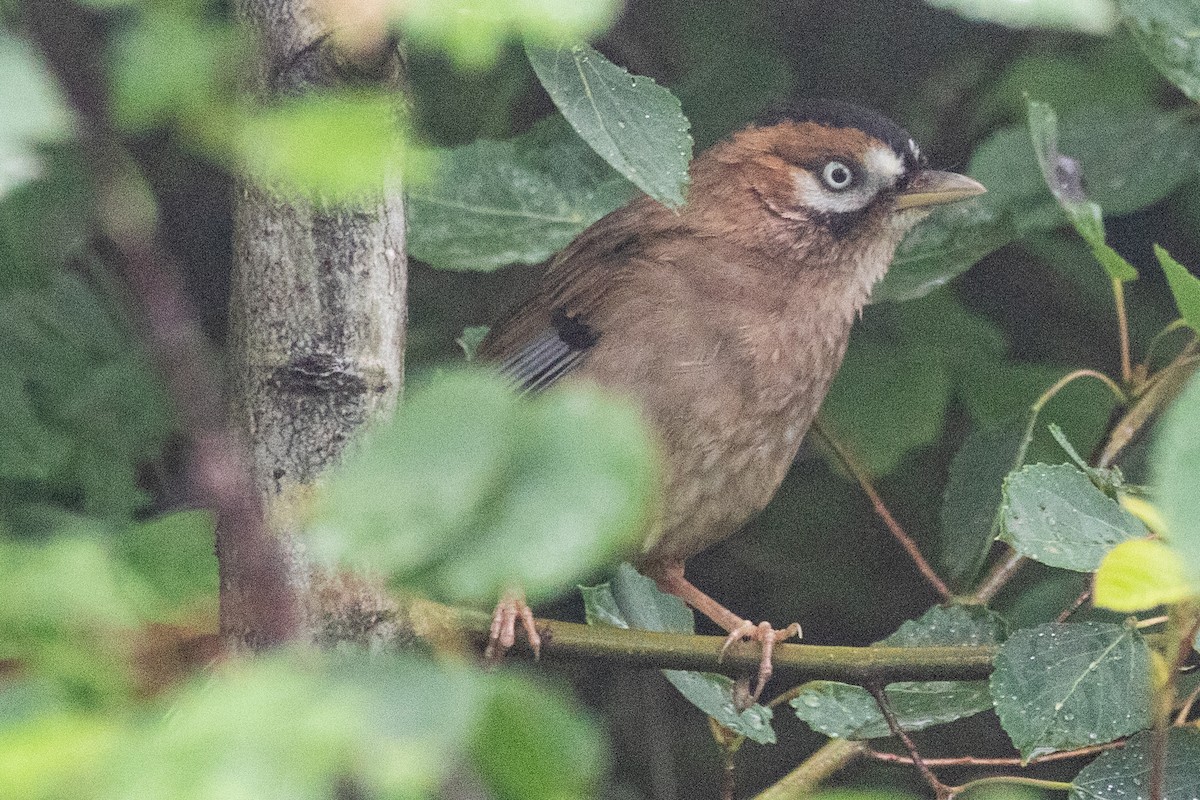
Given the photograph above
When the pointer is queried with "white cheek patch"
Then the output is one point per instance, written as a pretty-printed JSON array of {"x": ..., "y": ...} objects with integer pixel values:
[
  {"x": 882, "y": 168},
  {"x": 812, "y": 193}
]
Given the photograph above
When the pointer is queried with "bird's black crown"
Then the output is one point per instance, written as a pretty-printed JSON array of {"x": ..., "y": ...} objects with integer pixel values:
[{"x": 840, "y": 114}]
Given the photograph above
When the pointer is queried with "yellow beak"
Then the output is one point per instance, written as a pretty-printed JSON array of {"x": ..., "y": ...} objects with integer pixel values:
[{"x": 934, "y": 188}]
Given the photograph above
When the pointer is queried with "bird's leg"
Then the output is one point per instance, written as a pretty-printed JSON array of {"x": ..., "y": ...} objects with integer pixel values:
[
  {"x": 503, "y": 633},
  {"x": 670, "y": 579}
]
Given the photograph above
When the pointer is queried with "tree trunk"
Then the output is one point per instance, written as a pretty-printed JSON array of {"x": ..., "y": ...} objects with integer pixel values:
[{"x": 317, "y": 323}]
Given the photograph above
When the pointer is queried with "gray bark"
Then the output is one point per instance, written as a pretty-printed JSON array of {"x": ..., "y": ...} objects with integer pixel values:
[{"x": 317, "y": 323}]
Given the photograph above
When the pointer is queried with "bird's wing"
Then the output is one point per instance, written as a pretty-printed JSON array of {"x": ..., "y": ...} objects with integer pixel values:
[{"x": 551, "y": 333}]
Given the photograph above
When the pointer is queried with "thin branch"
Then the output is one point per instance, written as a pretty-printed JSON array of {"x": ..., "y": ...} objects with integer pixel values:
[
  {"x": 881, "y": 510},
  {"x": 981, "y": 761},
  {"x": 885, "y": 708},
  {"x": 991, "y": 585},
  {"x": 1122, "y": 331},
  {"x": 1084, "y": 596},
  {"x": 446, "y": 626},
  {"x": 801, "y": 782}
]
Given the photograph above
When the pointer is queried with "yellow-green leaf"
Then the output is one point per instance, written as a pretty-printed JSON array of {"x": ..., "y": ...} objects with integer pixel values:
[
  {"x": 1141, "y": 574},
  {"x": 1185, "y": 287}
]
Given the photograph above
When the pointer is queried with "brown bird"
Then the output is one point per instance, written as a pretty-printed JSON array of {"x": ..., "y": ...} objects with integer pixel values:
[{"x": 726, "y": 320}]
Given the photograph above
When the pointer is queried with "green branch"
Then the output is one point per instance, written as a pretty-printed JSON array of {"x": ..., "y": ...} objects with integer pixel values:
[{"x": 449, "y": 627}]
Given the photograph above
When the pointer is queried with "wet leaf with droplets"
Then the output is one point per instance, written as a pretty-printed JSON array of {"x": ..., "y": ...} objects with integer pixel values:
[
  {"x": 1054, "y": 514},
  {"x": 636, "y": 125},
  {"x": 1059, "y": 686},
  {"x": 1125, "y": 774}
]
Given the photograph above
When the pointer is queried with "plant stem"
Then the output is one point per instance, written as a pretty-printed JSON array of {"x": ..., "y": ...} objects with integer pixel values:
[
  {"x": 885, "y": 708},
  {"x": 881, "y": 510},
  {"x": 1123, "y": 331},
  {"x": 1013, "y": 761},
  {"x": 801, "y": 782}
]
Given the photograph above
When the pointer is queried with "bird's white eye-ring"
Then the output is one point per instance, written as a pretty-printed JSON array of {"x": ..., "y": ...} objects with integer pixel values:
[{"x": 837, "y": 176}]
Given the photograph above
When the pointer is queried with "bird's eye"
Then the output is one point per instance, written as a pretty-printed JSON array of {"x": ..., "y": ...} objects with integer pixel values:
[{"x": 837, "y": 176}]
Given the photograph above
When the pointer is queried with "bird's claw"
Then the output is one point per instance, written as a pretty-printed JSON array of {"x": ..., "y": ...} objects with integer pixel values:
[
  {"x": 503, "y": 633},
  {"x": 766, "y": 636}
]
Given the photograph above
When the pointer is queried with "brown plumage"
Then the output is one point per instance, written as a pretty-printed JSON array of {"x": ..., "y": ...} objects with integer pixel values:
[{"x": 727, "y": 319}]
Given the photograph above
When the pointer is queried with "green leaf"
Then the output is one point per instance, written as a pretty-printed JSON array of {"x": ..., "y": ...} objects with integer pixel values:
[
  {"x": 850, "y": 712},
  {"x": 473, "y": 489},
  {"x": 531, "y": 745},
  {"x": 1064, "y": 177},
  {"x": 472, "y": 31},
  {"x": 32, "y": 112},
  {"x": 1054, "y": 514},
  {"x": 1185, "y": 287},
  {"x": 970, "y": 515},
  {"x": 1126, "y": 773},
  {"x": 947, "y": 244},
  {"x": 470, "y": 339},
  {"x": 1061, "y": 686},
  {"x": 842, "y": 710},
  {"x": 1169, "y": 34},
  {"x": 489, "y": 204},
  {"x": 632, "y": 600},
  {"x": 1176, "y": 463},
  {"x": 950, "y": 626},
  {"x": 1140, "y": 574},
  {"x": 174, "y": 555},
  {"x": 343, "y": 145},
  {"x": 632, "y": 122},
  {"x": 1097, "y": 17}
]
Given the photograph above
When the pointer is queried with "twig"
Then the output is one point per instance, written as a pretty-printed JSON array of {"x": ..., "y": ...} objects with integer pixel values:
[
  {"x": 1084, "y": 596},
  {"x": 885, "y": 708},
  {"x": 881, "y": 510},
  {"x": 1000, "y": 575},
  {"x": 980, "y": 761},
  {"x": 801, "y": 782},
  {"x": 1122, "y": 331}
]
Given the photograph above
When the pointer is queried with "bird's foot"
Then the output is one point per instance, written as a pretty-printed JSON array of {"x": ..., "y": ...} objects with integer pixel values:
[
  {"x": 766, "y": 636},
  {"x": 503, "y": 634}
]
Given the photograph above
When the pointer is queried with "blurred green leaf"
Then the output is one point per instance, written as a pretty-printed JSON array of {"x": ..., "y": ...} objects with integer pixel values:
[
  {"x": 1176, "y": 465},
  {"x": 1185, "y": 287},
  {"x": 892, "y": 391},
  {"x": 172, "y": 65},
  {"x": 86, "y": 410},
  {"x": 1060, "y": 686},
  {"x": 632, "y": 600},
  {"x": 470, "y": 339},
  {"x": 175, "y": 556},
  {"x": 301, "y": 726},
  {"x": 67, "y": 613},
  {"x": 473, "y": 489},
  {"x": 1097, "y": 17},
  {"x": 472, "y": 31},
  {"x": 490, "y": 204},
  {"x": 343, "y": 145},
  {"x": 1169, "y": 33},
  {"x": 1124, "y": 773},
  {"x": 1054, "y": 514},
  {"x": 632, "y": 122},
  {"x": 970, "y": 513},
  {"x": 531, "y": 745},
  {"x": 845, "y": 711},
  {"x": 32, "y": 112},
  {"x": 1063, "y": 176},
  {"x": 56, "y": 755}
]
